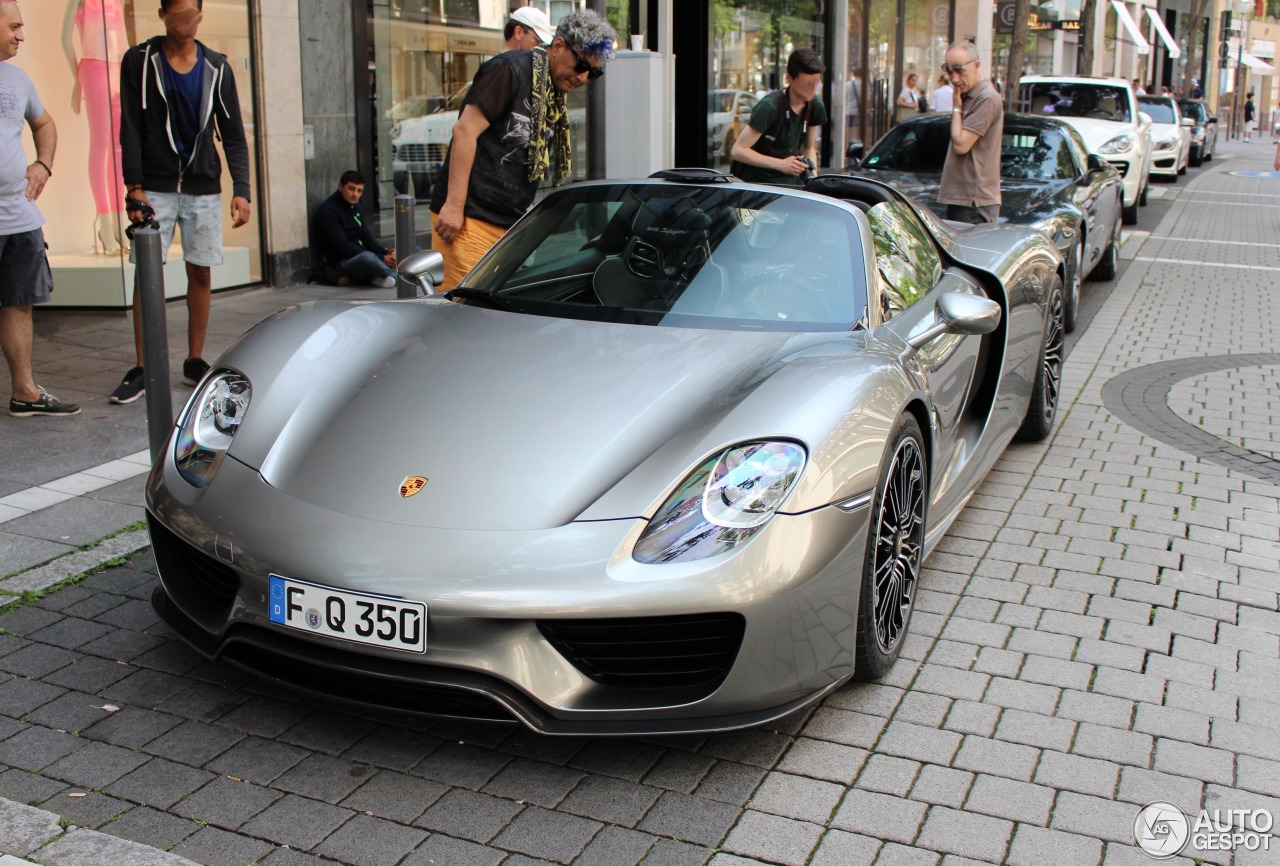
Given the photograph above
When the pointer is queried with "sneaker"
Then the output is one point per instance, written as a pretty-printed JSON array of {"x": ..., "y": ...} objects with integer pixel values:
[
  {"x": 193, "y": 370},
  {"x": 383, "y": 282},
  {"x": 131, "y": 387},
  {"x": 46, "y": 405}
]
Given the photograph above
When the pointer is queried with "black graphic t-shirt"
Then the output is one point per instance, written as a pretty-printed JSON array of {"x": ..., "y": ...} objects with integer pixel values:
[{"x": 500, "y": 190}]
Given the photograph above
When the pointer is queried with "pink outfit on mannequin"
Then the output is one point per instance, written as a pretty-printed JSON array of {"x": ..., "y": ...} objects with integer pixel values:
[
  {"x": 100, "y": 84},
  {"x": 102, "y": 41}
]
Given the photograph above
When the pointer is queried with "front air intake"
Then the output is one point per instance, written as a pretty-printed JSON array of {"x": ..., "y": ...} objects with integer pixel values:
[{"x": 650, "y": 652}]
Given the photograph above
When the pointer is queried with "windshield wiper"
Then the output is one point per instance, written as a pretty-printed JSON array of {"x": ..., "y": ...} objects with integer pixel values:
[{"x": 477, "y": 295}]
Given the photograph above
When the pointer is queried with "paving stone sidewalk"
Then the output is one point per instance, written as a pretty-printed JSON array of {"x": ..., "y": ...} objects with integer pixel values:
[{"x": 1099, "y": 631}]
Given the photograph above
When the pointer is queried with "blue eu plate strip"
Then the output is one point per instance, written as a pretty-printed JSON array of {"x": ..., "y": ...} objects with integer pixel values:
[{"x": 277, "y": 599}]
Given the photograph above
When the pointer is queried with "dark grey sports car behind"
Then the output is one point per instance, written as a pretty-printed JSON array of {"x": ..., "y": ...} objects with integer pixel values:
[{"x": 1049, "y": 181}]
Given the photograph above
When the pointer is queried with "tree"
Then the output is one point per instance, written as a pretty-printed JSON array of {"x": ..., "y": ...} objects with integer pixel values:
[
  {"x": 1195, "y": 38},
  {"x": 1084, "y": 60},
  {"x": 1017, "y": 52}
]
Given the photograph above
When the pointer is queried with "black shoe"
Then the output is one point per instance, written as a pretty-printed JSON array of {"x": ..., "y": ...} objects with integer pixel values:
[
  {"x": 46, "y": 405},
  {"x": 131, "y": 387},
  {"x": 193, "y": 370}
]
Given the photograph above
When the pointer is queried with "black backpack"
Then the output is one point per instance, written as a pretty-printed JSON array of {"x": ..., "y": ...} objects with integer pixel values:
[{"x": 779, "y": 121}]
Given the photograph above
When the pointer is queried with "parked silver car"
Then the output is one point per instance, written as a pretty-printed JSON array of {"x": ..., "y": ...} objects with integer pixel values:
[{"x": 670, "y": 458}]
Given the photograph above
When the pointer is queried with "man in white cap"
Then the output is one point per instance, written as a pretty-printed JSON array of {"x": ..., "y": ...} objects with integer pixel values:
[{"x": 528, "y": 27}]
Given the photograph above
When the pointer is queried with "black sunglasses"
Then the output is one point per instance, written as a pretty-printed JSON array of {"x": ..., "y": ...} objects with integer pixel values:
[
  {"x": 957, "y": 68},
  {"x": 593, "y": 72}
]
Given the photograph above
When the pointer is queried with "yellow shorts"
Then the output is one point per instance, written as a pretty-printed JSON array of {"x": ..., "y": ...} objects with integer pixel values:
[{"x": 476, "y": 238}]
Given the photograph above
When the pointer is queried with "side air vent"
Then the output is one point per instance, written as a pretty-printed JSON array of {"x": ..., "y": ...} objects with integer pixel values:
[
  {"x": 650, "y": 652},
  {"x": 197, "y": 581}
]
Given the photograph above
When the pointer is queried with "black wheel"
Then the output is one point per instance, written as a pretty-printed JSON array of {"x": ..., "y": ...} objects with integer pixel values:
[
  {"x": 1072, "y": 303},
  {"x": 1142, "y": 196},
  {"x": 1105, "y": 269},
  {"x": 1183, "y": 170},
  {"x": 895, "y": 552},
  {"x": 1196, "y": 158},
  {"x": 1208, "y": 157},
  {"x": 1046, "y": 390},
  {"x": 1129, "y": 214}
]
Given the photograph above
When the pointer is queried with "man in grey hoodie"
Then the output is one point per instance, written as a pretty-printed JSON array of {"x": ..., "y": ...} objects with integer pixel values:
[{"x": 176, "y": 97}]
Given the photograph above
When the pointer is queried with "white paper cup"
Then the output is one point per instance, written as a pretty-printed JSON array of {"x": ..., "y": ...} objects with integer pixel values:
[{"x": 637, "y": 42}]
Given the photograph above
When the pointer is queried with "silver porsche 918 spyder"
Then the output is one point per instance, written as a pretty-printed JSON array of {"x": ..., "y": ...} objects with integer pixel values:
[{"x": 669, "y": 459}]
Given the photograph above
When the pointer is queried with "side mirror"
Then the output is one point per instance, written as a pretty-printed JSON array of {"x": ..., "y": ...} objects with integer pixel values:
[
  {"x": 854, "y": 152},
  {"x": 423, "y": 269},
  {"x": 958, "y": 313},
  {"x": 1095, "y": 162},
  {"x": 1212, "y": 120},
  {"x": 1188, "y": 122}
]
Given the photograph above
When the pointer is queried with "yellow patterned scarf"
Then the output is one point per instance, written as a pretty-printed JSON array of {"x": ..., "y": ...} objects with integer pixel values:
[{"x": 547, "y": 109}]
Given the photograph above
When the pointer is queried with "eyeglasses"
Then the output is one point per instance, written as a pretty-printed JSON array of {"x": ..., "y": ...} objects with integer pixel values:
[
  {"x": 955, "y": 69},
  {"x": 593, "y": 72}
]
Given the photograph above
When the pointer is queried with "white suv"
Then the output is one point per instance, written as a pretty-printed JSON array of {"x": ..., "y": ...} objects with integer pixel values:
[{"x": 1106, "y": 113}]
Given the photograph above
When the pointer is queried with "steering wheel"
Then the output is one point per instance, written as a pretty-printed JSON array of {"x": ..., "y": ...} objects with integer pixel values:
[{"x": 784, "y": 294}]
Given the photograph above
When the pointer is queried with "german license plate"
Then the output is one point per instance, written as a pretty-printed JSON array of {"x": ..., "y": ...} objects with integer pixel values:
[{"x": 362, "y": 617}]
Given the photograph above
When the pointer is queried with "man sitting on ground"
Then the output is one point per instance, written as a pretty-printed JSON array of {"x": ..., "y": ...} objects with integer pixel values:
[{"x": 344, "y": 242}]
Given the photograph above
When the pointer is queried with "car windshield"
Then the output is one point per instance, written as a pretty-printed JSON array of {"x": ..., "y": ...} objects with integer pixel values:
[
  {"x": 1027, "y": 153},
  {"x": 1035, "y": 154},
  {"x": 676, "y": 255},
  {"x": 914, "y": 147},
  {"x": 1161, "y": 110},
  {"x": 1069, "y": 99},
  {"x": 1194, "y": 110}
]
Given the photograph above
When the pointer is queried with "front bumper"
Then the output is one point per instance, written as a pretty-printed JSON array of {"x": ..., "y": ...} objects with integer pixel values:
[
  {"x": 1130, "y": 169},
  {"x": 490, "y": 597}
]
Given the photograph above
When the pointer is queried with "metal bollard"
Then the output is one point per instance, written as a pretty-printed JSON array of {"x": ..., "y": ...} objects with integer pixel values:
[
  {"x": 406, "y": 242},
  {"x": 148, "y": 285}
]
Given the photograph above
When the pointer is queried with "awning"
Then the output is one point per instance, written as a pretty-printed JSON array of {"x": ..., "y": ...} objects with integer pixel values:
[
  {"x": 1166, "y": 37},
  {"x": 1254, "y": 63},
  {"x": 1126, "y": 21}
]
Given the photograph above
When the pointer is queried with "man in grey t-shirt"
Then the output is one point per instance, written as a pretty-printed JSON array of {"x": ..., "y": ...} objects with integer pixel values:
[
  {"x": 971, "y": 175},
  {"x": 24, "y": 269}
]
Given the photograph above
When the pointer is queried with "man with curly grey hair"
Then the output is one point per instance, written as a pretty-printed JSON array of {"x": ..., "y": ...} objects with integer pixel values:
[{"x": 512, "y": 129}]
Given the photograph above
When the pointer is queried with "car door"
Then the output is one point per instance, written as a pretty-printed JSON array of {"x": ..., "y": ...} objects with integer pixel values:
[
  {"x": 1097, "y": 194},
  {"x": 911, "y": 276}
]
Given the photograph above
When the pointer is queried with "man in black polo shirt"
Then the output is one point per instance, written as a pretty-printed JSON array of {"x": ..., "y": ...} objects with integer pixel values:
[{"x": 781, "y": 143}]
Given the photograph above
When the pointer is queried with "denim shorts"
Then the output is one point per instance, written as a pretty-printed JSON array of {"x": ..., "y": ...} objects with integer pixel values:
[
  {"x": 25, "y": 278},
  {"x": 199, "y": 217}
]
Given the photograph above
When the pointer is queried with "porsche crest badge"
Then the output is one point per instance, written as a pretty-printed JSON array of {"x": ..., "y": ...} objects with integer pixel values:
[{"x": 411, "y": 485}]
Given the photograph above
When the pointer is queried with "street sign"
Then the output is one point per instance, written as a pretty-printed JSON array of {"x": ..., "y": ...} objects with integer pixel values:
[{"x": 1006, "y": 15}]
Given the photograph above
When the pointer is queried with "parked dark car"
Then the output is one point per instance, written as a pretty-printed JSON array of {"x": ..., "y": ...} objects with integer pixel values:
[
  {"x": 1204, "y": 135},
  {"x": 1049, "y": 181}
]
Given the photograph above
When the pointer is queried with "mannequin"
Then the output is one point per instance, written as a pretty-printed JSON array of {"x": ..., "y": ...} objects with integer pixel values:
[{"x": 94, "y": 39}]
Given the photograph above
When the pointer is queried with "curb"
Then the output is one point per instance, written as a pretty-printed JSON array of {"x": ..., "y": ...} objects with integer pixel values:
[
  {"x": 44, "y": 576},
  {"x": 35, "y": 832}
]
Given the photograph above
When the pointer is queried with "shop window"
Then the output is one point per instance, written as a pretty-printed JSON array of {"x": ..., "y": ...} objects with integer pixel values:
[{"x": 83, "y": 204}]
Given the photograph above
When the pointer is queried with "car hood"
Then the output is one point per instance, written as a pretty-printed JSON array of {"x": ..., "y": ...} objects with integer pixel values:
[
  {"x": 516, "y": 421},
  {"x": 1098, "y": 132},
  {"x": 1022, "y": 201},
  {"x": 1165, "y": 131}
]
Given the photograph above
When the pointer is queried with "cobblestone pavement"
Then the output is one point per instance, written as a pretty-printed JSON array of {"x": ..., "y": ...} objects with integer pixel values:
[{"x": 1097, "y": 632}]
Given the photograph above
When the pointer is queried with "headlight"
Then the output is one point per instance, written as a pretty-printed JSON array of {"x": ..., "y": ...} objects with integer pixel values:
[
  {"x": 722, "y": 503},
  {"x": 208, "y": 425},
  {"x": 1167, "y": 145},
  {"x": 395, "y": 132},
  {"x": 718, "y": 130},
  {"x": 1119, "y": 144}
]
